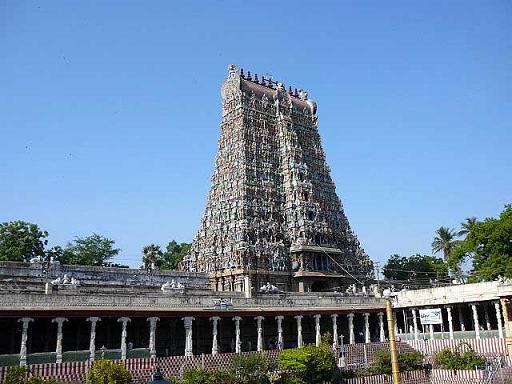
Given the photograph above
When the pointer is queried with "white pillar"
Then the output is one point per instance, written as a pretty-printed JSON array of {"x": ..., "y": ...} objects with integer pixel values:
[
  {"x": 487, "y": 319},
  {"x": 431, "y": 331},
  {"x": 366, "y": 327},
  {"x": 351, "y": 335},
  {"x": 318, "y": 334},
  {"x": 475, "y": 321},
  {"x": 334, "y": 318},
  {"x": 497, "y": 307},
  {"x": 299, "y": 331},
  {"x": 382, "y": 335},
  {"x": 152, "y": 332},
  {"x": 187, "y": 322},
  {"x": 396, "y": 323},
  {"x": 280, "y": 342},
  {"x": 124, "y": 322},
  {"x": 215, "y": 344},
  {"x": 58, "y": 349},
  {"x": 415, "y": 323},
  {"x": 450, "y": 321},
  {"x": 461, "y": 318},
  {"x": 92, "y": 337},
  {"x": 238, "y": 341},
  {"x": 259, "y": 346},
  {"x": 24, "y": 336}
]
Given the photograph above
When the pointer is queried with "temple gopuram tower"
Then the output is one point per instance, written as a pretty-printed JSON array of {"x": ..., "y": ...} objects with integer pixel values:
[{"x": 272, "y": 213}]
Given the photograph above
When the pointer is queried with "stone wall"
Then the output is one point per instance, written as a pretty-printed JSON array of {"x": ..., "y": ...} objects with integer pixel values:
[{"x": 99, "y": 276}]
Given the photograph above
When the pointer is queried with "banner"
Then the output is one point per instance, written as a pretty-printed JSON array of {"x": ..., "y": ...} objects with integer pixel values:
[{"x": 431, "y": 316}]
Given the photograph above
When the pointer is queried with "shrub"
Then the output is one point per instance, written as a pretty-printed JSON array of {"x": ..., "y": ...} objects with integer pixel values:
[
  {"x": 309, "y": 364},
  {"x": 449, "y": 359},
  {"x": 408, "y": 361},
  {"x": 205, "y": 376},
  {"x": 18, "y": 375},
  {"x": 251, "y": 369},
  {"x": 38, "y": 380},
  {"x": 108, "y": 372}
]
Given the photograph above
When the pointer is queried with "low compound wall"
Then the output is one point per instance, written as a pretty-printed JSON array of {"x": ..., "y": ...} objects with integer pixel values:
[
  {"x": 436, "y": 376},
  {"x": 485, "y": 347},
  {"x": 140, "y": 369}
]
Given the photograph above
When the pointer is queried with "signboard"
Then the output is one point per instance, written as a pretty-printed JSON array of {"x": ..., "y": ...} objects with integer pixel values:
[{"x": 431, "y": 316}]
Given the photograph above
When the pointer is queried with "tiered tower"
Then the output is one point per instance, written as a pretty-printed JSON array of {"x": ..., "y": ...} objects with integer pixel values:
[{"x": 272, "y": 213}]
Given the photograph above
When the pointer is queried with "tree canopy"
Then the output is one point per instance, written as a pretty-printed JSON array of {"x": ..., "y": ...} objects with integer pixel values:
[
  {"x": 444, "y": 241},
  {"x": 90, "y": 250},
  {"x": 21, "y": 241},
  {"x": 152, "y": 256},
  {"x": 488, "y": 244},
  {"x": 418, "y": 269},
  {"x": 173, "y": 254}
]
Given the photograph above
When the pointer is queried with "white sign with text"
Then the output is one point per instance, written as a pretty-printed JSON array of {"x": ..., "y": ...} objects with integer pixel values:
[{"x": 431, "y": 316}]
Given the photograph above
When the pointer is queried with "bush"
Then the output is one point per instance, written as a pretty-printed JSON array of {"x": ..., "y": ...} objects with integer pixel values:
[
  {"x": 18, "y": 375},
  {"x": 310, "y": 364},
  {"x": 410, "y": 361},
  {"x": 449, "y": 359},
  {"x": 251, "y": 369},
  {"x": 205, "y": 376},
  {"x": 108, "y": 372},
  {"x": 407, "y": 361},
  {"x": 38, "y": 380}
]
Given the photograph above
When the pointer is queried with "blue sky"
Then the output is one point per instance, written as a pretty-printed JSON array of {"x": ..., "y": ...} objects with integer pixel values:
[{"x": 110, "y": 111}]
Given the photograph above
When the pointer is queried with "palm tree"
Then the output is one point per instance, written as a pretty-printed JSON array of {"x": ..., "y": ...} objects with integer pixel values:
[
  {"x": 152, "y": 255},
  {"x": 444, "y": 241},
  {"x": 466, "y": 226}
]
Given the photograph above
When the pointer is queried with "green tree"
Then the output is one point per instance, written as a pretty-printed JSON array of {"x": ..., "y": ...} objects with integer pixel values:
[
  {"x": 251, "y": 369},
  {"x": 466, "y": 226},
  {"x": 108, "y": 372},
  {"x": 449, "y": 359},
  {"x": 310, "y": 364},
  {"x": 152, "y": 256},
  {"x": 415, "y": 267},
  {"x": 20, "y": 375},
  {"x": 91, "y": 250},
  {"x": 489, "y": 246},
  {"x": 21, "y": 241},
  {"x": 174, "y": 254},
  {"x": 444, "y": 241},
  {"x": 207, "y": 376},
  {"x": 407, "y": 361}
]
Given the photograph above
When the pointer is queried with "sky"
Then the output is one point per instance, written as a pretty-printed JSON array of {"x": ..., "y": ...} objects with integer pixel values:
[{"x": 110, "y": 111}]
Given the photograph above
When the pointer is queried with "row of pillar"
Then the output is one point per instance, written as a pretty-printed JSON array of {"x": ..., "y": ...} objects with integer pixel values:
[
  {"x": 280, "y": 341},
  {"x": 476, "y": 321},
  {"x": 188, "y": 321}
]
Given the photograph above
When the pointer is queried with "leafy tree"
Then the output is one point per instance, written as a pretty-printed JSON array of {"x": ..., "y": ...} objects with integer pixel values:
[
  {"x": 407, "y": 361},
  {"x": 174, "y": 254},
  {"x": 466, "y": 226},
  {"x": 21, "y": 241},
  {"x": 19, "y": 375},
  {"x": 444, "y": 241},
  {"x": 152, "y": 256},
  {"x": 251, "y": 369},
  {"x": 16, "y": 375},
  {"x": 449, "y": 359},
  {"x": 91, "y": 250},
  {"x": 310, "y": 364},
  {"x": 412, "y": 267},
  {"x": 108, "y": 372},
  {"x": 206, "y": 376},
  {"x": 489, "y": 246}
]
